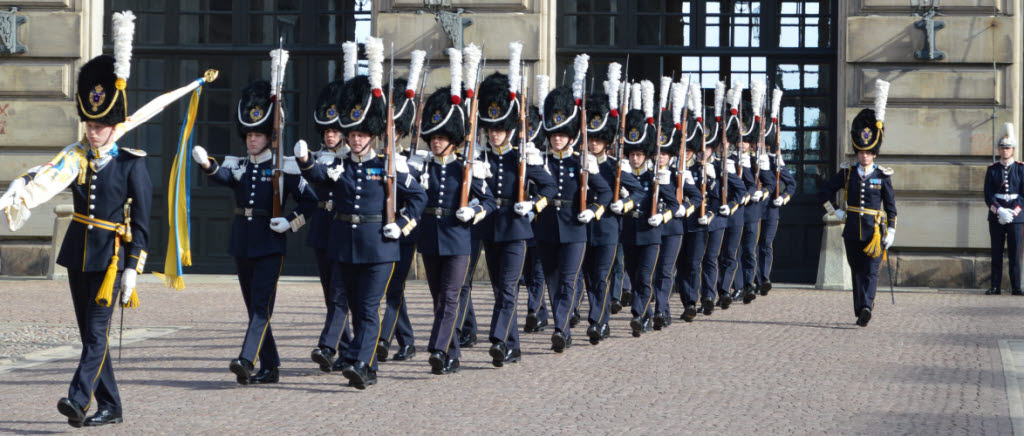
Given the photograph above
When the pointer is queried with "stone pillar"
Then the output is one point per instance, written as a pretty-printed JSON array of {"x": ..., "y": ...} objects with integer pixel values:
[
  {"x": 833, "y": 273},
  {"x": 60, "y": 228}
]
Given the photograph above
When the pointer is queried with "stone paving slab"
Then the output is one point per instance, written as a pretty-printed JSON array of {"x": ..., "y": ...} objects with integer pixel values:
[{"x": 790, "y": 363}]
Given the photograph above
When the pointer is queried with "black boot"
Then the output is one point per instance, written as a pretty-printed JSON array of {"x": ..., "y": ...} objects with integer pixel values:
[
  {"x": 498, "y": 352},
  {"x": 689, "y": 313},
  {"x": 324, "y": 357},
  {"x": 360, "y": 375},
  {"x": 266, "y": 375},
  {"x": 707, "y": 306},
  {"x": 765, "y": 287},
  {"x": 405, "y": 352},
  {"x": 104, "y": 417},
  {"x": 242, "y": 369},
  {"x": 71, "y": 410},
  {"x": 437, "y": 361},
  {"x": 382, "y": 350}
]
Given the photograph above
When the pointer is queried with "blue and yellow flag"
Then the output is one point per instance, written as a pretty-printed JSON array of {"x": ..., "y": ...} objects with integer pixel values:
[{"x": 179, "y": 252}]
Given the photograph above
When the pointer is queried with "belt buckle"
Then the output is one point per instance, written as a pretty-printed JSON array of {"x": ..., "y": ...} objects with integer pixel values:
[
  {"x": 248, "y": 212},
  {"x": 355, "y": 219},
  {"x": 438, "y": 212},
  {"x": 329, "y": 206}
]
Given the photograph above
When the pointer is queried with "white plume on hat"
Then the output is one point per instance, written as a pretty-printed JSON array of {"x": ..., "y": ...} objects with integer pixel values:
[
  {"x": 543, "y": 86},
  {"x": 515, "y": 52},
  {"x": 776, "y": 103},
  {"x": 455, "y": 68},
  {"x": 579, "y": 77},
  {"x": 1009, "y": 138},
  {"x": 719, "y": 98},
  {"x": 351, "y": 53},
  {"x": 122, "y": 31},
  {"x": 278, "y": 65},
  {"x": 375, "y": 56},
  {"x": 471, "y": 62},
  {"x": 635, "y": 97},
  {"x": 678, "y": 102},
  {"x": 881, "y": 98},
  {"x": 695, "y": 96},
  {"x": 757, "y": 90},
  {"x": 415, "y": 69},
  {"x": 666, "y": 83},
  {"x": 736, "y": 96},
  {"x": 611, "y": 86},
  {"x": 647, "y": 88}
]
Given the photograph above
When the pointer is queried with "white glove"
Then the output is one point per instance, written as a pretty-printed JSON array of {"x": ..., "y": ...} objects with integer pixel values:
[
  {"x": 465, "y": 214},
  {"x": 778, "y": 202},
  {"x": 762, "y": 162},
  {"x": 533, "y": 155},
  {"x": 781, "y": 162},
  {"x": 705, "y": 220},
  {"x": 758, "y": 195},
  {"x": 199, "y": 155},
  {"x": 391, "y": 231},
  {"x": 530, "y": 216},
  {"x": 724, "y": 210},
  {"x": 128, "y": 278},
  {"x": 710, "y": 170},
  {"x": 681, "y": 212},
  {"x": 585, "y": 216},
  {"x": 617, "y": 207},
  {"x": 301, "y": 150},
  {"x": 1005, "y": 215},
  {"x": 890, "y": 235},
  {"x": 625, "y": 166},
  {"x": 730, "y": 166},
  {"x": 664, "y": 177},
  {"x": 745, "y": 160},
  {"x": 688, "y": 177},
  {"x": 523, "y": 207},
  {"x": 592, "y": 167},
  {"x": 623, "y": 192},
  {"x": 481, "y": 170},
  {"x": 279, "y": 225},
  {"x": 418, "y": 160},
  {"x": 401, "y": 163},
  {"x": 13, "y": 194},
  {"x": 655, "y": 220},
  {"x": 840, "y": 215}
]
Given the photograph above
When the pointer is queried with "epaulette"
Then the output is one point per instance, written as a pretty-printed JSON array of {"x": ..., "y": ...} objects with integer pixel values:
[
  {"x": 134, "y": 152},
  {"x": 232, "y": 162},
  {"x": 886, "y": 170},
  {"x": 844, "y": 166},
  {"x": 290, "y": 166}
]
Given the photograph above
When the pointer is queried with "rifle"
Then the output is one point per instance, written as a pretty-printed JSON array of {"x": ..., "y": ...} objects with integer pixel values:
[
  {"x": 624, "y": 105},
  {"x": 524, "y": 130},
  {"x": 760, "y": 144},
  {"x": 724, "y": 174},
  {"x": 275, "y": 144},
  {"x": 682, "y": 157},
  {"x": 389, "y": 151},
  {"x": 703, "y": 172},
  {"x": 414, "y": 141},
  {"x": 467, "y": 170},
  {"x": 778, "y": 156},
  {"x": 584, "y": 154},
  {"x": 657, "y": 156}
]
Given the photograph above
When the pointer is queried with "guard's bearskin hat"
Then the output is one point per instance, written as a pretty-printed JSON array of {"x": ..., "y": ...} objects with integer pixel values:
[
  {"x": 99, "y": 99},
  {"x": 360, "y": 109},
  {"x": 443, "y": 115},
  {"x": 561, "y": 115},
  {"x": 326, "y": 113},
  {"x": 255, "y": 109},
  {"x": 498, "y": 107},
  {"x": 601, "y": 123},
  {"x": 868, "y": 128},
  {"x": 639, "y": 135},
  {"x": 405, "y": 107},
  {"x": 670, "y": 138}
]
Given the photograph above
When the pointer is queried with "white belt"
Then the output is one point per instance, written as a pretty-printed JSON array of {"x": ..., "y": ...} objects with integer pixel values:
[{"x": 1006, "y": 197}]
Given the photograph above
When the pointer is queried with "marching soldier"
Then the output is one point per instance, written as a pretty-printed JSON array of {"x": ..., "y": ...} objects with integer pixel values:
[
  {"x": 395, "y": 324},
  {"x": 642, "y": 226},
  {"x": 466, "y": 325},
  {"x": 736, "y": 136},
  {"x": 504, "y": 233},
  {"x": 870, "y": 207},
  {"x": 763, "y": 184},
  {"x": 1004, "y": 195},
  {"x": 561, "y": 230},
  {"x": 445, "y": 234},
  {"x": 533, "y": 272},
  {"x": 362, "y": 246},
  {"x": 105, "y": 246},
  {"x": 779, "y": 198},
  {"x": 257, "y": 237},
  {"x": 335, "y": 335},
  {"x": 603, "y": 235}
]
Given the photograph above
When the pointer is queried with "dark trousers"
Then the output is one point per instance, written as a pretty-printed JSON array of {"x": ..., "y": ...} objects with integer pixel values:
[
  {"x": 335, "y": 334},
  {"x": 396, "y": 324},
  {"x": 665, "y": 271},
  {"x": 1010, "y": 234},
  {"x": 505, "y": 262},
  {"x": 764, "y": 244},
  {"x": 533, "y": 278},
  {"x": 562, "y": 263},
  {"x": 617, "y": 275},
  {"x": 640, "y": 261},
  {"x": 864, "y": 270},
  {"x": 364, "y": 285},
  {"x": 748, "y": 250},
  {"x": 728, "y": 260},
  {"x": 597, "y": 269},
  {"x": 467, "y": 316},
  {"x": 94, "y": 377},
  {"x": 258, "y": 279},
  {"x": 445, "y": 276},
  {"x": 698, "y": 267}
]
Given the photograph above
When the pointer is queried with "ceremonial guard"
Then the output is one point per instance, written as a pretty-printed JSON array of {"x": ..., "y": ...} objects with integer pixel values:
[
  {"x": 335, "y": 336},
  {"x": 870, "y": 207},
  {"x": 466, "y": 324},
  {"x": 537, "y": 317},
  {"x": 642, "y": 225},
  {"x": 761, "y": 183},
  {"x": 669, "y": 142},
  {"x": 1004, "y": 195},
  {"x": 561, "y": 230},
  {"x": 363, "y": 243},
  {"x": 513, "y": 164},
  {"x": 104, "y": 249},
  {"x": 602, "y": 123},
  {"x": 395, "y": 324},
  {"x": 778, "y": 198},
  {"x": 451, "y": 183}
]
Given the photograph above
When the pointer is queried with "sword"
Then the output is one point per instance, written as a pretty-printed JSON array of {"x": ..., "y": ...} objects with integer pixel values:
[
  {"x": 120, "y": 336},
  {"x": 892, "y": 293}
]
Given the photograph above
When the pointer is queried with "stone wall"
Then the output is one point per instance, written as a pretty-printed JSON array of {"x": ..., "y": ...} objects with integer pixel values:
[{"x": 939, "y": 126}]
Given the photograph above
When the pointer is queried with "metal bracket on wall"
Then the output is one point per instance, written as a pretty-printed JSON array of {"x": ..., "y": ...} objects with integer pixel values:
[
  {"x": 452, "y": 22},
  {"x": 9, "y": 32},
  {"x": 930, "y": 26}
]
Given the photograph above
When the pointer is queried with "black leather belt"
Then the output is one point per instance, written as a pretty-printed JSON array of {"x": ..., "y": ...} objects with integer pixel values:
[
  {"x": 437, "y": 211},
  {"x": 325, "y": 205},
  {"x": 502, "y": 202},
  {"x": 356, "y": 219},
  {"x": 560, "y": 203},
  {"x": 250, "y": 212}
]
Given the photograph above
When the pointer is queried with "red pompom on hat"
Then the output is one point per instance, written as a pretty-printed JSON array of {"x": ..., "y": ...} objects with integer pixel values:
[
  {"x": 511, "y": 96},
  {"x": 456, "y": 99},
  {"x": 614, "y": 113},
  {"x": 469, "y": 93},
  {"x": 377, "y": 93},
  {"x": 410, "y": 93},
  {"x": 733, "y": 111},
  {"x": 679, "y": 126},
  {"x": 579, "y": 102},
  {"x": 650, "y": 120}
]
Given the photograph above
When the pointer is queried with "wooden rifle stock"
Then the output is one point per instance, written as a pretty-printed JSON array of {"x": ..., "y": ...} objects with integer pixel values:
[
  {"x": 584, "y": 155},
  {"x": 524, "y": 132},
  {"x": 680, "y": 180}
]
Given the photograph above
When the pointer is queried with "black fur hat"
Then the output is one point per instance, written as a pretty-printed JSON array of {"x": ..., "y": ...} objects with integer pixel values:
[
  {"x": 497, "y": 107},
  {"x": 639, "y": 134},
  {"x": 536, "y": 135},
  {"x": 753, "y": 133},
  {"x": 693, "y": 141},
  {"x": 443, "y": 117},
  {"x": 771, "y": 137},
  {"x": 360, "y": 110},
  {"x": 561, "y": 115},
  {"x": 602, "y": 122},
  {"x": 670, "y": 137},
  {"x": 99, "y": 100},
  {"x": 255, "y": 110},
  {"x": 405, "y": 107},
  {"x": 735, "y": 129},
  {"x": 867, "y": 132},
  {"x": 326, "y": 113}
]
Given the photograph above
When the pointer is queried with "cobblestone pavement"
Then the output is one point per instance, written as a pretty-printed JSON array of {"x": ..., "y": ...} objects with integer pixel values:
[{"x": 792, "y": 362}]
